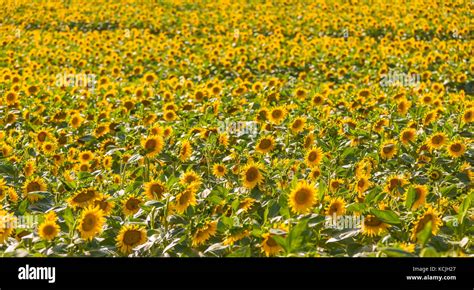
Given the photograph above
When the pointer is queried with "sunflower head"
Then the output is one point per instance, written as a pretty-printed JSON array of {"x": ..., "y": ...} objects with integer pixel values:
[
  {"x": 429, "y": 215},
  {"x": 129, "y": 237},
  {"x": 314, "y": 156},
  {"x": 269, "y": 246},
  {"x": 219, "y": 170},
  {"x": 388, "y": 149},
  {"x": 251, "y": 175},
  {"x": 91, "y": 222},
  {"x": 265, "y": 144},
  {"x": 372, "y": 226},
  {"x": 155, "y": 190},
  {"x": 302, "y": 198}
]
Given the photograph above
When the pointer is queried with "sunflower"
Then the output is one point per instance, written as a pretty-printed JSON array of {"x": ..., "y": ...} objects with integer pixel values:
[
  {"x": 277, "y": 115},
  {"x": 29, "y": 168},
  {"x": 190, "y": 177},
  {"x": 308, "y": 141},
  {"x": 429, "y": 215},
  {"x": 395, "y": 184},
  {"x": 436, "y": 140},
  {"x": 303, "y": 197},
  {"x": 421, "y": 191},
  {"x": 336, "y": 184},
  {"x": 91, "y": 222},
  {"x": 269, "y": 246},
  {"x": 314, "y": 156},
  {"x": 102, "y": 130},
  {"x": 435, "y": 174},
  {"x": 315, "y": 173},
  {"x": 362, "y": 183},
  {"x": 336, "y": 207},
  {"x": 407, "y": 135},
  {"x": 372, "y": 226},
  {"x": 32, "y": 186},
  {"x": 129, "y": 237},
  {"x": 86, "y": 156},
  {"x": 246, "y": 204},
  {"x": 83, "y": 198},
  {"x": 42, "y": 135},
  {"x": 170, "y": 115},
  {"x": 149, "y": 78},
  {"x": 468, "y": 115},
  {"x": 235, "y": 237},
  {"x": 251, "y": 175},
  {"x": 186, "y": 198},
  {"x": 456, "y": 149},
  {"x": 76, "y": 121},
  {"x": 131, "y": 205},
  {"x": 153, "y": 145},
  {"x": 265, "y": 144},
  {"x": 48, "y": 230},
  {"x": 155, "y": 190},
  {"x": 318, "y": 99},
  {"x": 48, "y": 147},
  {"x": 204, "y": 233},
  {"x": 104, "y": 203},
  {"x": 11, "y": 98},
  {"x": 298, "y": 125},
  {"x": 3, "y": 188},
  {"x": 186, "y": 151},
  {"x": 7, "y": 222},
  {"x": 219, "y": 170},
  {"x": 388, "y": 149}
]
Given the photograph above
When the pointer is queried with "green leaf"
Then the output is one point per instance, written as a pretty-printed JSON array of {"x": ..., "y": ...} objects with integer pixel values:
[
  {"x": 321, "y": 190},
  {"x": 465, "y": 205},
  {"x": 358, "y": 207},
  {"x": 387, "y": 216},
  {"x": 394, "y": 252},
  {"x": 68, "y": 218},
  {"x": 411, "y": 197},
  {"x": 23, "y": 206},
  {"x": 296, "y": 236},
  {"x": 241, "y": 252},
  {"x": 429, "y": 252},
  {"x": 424, "y": 235},
  {"x": 280, "y": 240}
]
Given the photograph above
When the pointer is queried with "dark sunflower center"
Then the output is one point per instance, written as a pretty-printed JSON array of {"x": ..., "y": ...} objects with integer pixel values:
[
  {"x": 251, "y": 174},
  {"x": 131, "y": 237},
  {"x": 456, "y": 147},
  {"x": 437, "y": 139},
  {"x": 372, "y": 221},
  {"x": 276, "y": 114},
  {"x": 48, "y": 230},
  {"x": 150, "y": 144},
  {"x": 88, "y": 223},
  {"x": 302, "y": 196},
  {"x": 84, "y": 196},
  {"x": 388, "y": 148},
  {"x": 132, "y": 204},
  {"x": 265, "y": 144},
  {"x": 42, "y": 136},
  {"x": 156, "y": 189},
  {"x": 312, "y": 156},
  {"x": 33, "y": 186},
  {"x": 271, "y": 242}
]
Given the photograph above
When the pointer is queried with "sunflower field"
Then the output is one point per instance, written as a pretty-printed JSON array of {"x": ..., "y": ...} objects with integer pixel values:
[{"x": 236, "y": 128}]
